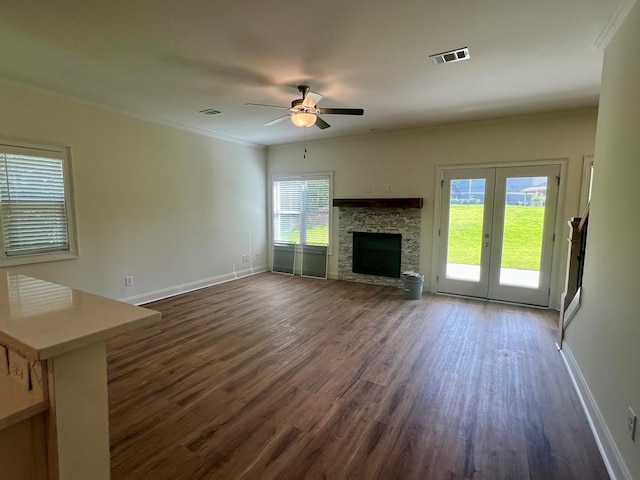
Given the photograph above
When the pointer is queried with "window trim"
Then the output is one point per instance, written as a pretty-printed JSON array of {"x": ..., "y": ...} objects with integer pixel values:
[
  {"x": 278, "y": 177},
  {"x": 56, "y": 151}
]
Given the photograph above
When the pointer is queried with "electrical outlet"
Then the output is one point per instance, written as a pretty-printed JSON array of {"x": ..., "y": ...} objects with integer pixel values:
[
  {"x": 367, "y": 188},
  {"x": 389, "y": 189},
  {"x": 632, "y": 423},
  {"x": 128, "y": 281},
  {"x": 257, "y": 255}
]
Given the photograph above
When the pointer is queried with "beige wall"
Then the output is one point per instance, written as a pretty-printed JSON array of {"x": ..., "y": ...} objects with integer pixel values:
[
  {"x": 604, "y": 336},
  {"x": 167, "y": 206},
  {"x": 407, "y": 161}
]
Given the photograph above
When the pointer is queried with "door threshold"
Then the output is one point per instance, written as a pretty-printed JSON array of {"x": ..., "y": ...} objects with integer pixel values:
[{"x": 491, "y": 300}]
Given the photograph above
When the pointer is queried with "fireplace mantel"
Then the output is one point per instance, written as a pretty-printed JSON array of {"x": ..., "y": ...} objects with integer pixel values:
[{"x": 378, "y": 202}]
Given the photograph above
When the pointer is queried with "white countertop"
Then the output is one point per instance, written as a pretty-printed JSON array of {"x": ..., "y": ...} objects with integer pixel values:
[{"x": 41, "y": 320}]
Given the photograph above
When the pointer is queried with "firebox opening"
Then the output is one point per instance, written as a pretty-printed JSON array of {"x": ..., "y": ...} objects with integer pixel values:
[{"x": 377, "y": 254}]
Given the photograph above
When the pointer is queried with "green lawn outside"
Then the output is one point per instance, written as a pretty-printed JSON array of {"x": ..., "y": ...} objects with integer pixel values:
[
  {"x": 315, "y": 235},
  {"x": 522, "y": 240}
]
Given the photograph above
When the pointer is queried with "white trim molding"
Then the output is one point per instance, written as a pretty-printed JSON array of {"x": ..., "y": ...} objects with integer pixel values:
[
  {"x": 613, "y": 460},
  {"x": 612, "y": 26},
  {"x": 192, "y": 286},
  {"x": 138, "y": 116}
]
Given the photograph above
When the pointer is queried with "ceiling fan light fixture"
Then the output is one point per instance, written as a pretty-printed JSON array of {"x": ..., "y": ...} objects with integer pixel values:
[{"x": 303, "y": 119}]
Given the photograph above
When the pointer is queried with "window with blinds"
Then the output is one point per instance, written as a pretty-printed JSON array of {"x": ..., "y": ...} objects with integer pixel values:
[
  {"x": 34, "y": 204},
  {"x": 301, "y": 209}
]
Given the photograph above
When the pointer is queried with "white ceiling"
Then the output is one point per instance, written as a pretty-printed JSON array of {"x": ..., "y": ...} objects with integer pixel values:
[{"x": 167, "y": 60}]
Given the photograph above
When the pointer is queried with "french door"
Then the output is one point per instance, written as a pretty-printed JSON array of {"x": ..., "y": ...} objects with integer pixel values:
[{"x": 497, "y": 233}]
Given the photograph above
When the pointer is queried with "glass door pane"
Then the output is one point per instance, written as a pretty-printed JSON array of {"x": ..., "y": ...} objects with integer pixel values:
[
  {"x": 523, "y": 234},
  {"x": 465, "y": 229},
  {"x": 464, "y": 235},
  {"x": 524, "y": 213}
]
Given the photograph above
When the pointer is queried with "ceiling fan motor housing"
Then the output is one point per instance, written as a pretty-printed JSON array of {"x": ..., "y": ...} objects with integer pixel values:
[{"x": 303, "y": 89}]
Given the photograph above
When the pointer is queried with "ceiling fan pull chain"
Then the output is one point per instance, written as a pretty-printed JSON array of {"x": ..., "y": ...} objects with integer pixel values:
[{"x": 304, "y": 156}]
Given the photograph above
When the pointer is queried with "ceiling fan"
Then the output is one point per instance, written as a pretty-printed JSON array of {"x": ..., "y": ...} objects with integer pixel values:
[{"x": 305, "y": 112}]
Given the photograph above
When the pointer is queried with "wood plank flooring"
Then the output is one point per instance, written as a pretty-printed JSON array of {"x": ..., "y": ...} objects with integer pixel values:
[{"x": 277, "y": 377}]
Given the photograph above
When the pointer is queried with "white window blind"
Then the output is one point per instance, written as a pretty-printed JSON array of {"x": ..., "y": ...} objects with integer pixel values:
[
  {"x": 301, "y": 207},
  {"x": 33, "y": 202}
]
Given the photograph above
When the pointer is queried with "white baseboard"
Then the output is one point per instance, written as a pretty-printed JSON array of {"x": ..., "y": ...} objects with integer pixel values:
[
  {"x": 191, "y": 286},
  {"x": 613, "y": 460}
]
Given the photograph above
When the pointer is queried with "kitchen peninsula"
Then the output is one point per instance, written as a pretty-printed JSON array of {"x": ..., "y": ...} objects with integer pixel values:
[{"x": 54, "y": 418}]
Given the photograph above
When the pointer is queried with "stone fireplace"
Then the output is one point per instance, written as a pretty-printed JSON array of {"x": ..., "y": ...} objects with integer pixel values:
[{"x": 378, "y": 219}]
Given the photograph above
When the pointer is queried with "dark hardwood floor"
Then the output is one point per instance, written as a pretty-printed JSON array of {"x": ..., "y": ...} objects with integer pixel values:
[{"x": 295, "y": 378}]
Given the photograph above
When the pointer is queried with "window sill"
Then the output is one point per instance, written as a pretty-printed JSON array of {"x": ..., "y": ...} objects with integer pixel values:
[{"x": 31, "y": 259}]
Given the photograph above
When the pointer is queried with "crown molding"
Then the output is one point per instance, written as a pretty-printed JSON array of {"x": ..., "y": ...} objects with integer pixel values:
[
  {"x": 619, "y": 15},
  {"x": 138, "y": 116}
]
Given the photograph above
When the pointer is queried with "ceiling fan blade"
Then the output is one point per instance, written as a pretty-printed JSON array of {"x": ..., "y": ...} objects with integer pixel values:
[
  {"x": 311, "y": 99},
  {"x": 263, "y": 105},
  {"x": 342, "y": 111},
  {"x": 276, "y": 120},
  {"x": 320, "y": 123}
]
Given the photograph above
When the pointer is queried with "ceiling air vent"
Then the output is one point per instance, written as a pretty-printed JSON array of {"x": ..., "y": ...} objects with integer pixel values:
[
  {"x": 451, "y": 56},
  {"x": 210, "y": 111}
]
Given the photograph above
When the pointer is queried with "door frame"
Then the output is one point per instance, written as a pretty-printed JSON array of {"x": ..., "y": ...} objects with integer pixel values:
[{"x": 559, "y": 228}]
